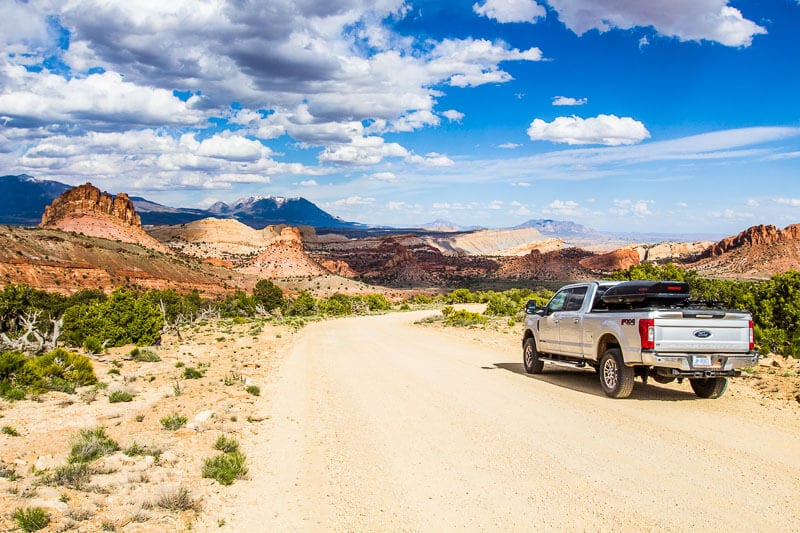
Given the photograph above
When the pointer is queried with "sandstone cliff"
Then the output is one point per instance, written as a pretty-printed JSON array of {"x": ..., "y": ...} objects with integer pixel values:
[
  {"x": 757, "y": 252},
  {"x": 616, "y": 260},
  {"x": 756, "y": 236},
  {"x": 86, "y": 210}
]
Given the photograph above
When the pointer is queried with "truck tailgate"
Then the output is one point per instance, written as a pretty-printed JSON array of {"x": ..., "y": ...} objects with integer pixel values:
[{"x": 696, "y": 335}]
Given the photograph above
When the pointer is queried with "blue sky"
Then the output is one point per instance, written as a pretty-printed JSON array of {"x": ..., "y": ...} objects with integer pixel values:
[{"x": 671, "y": 116}]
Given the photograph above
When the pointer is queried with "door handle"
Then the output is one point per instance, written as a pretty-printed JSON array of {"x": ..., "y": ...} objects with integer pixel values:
[
  {"x": 576, "y": 320},
  {"x": 556, "y": 321}
]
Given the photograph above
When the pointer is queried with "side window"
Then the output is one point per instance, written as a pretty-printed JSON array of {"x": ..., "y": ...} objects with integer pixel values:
[
  {"x": 557, "y": 302},
  {"x": 575, "y": 299}
]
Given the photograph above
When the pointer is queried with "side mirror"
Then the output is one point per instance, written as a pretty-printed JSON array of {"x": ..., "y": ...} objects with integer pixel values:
[{"x": 530, "y": 307}]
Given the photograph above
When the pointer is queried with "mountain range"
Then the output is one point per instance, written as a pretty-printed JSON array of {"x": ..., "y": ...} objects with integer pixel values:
[{"x": 24, "y": 199}]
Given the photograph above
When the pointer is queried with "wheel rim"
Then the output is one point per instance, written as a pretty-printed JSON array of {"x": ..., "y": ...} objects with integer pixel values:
[
  {"x": 528, "y": 356},
  {"x": 610, "y": 373}
]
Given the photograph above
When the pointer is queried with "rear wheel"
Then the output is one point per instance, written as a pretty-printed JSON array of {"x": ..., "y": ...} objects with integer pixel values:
[
  {"x": 709, "y": 388},
  {"x": 616, "y": 379},
  {"x": 530, "y": 357}
]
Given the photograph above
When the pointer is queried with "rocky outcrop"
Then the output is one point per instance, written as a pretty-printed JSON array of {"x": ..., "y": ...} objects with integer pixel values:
[
  {"x": 756, "y": 236},
  {"x": 87, "y": 199},
  {"x": 617, "y": 260},
  {"x": 557, "y": 265},
  {"x": 86, "y": 210},
  {"x": 758, "y": 252},
  {"x": 671, "y": 250},
  {"x": 284, "y": 257}
]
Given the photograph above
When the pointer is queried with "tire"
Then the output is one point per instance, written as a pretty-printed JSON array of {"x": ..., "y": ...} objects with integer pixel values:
[
  {"x": 616, "y": 379},
  {"x": 530, "y": 357},
  {"x": 711, "y": 388}
]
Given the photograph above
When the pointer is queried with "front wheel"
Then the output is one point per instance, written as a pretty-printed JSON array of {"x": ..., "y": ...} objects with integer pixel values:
[
  {"x": 530, "y": 357},
  {"x": 616, "y": 379},
  {"x": 711, "y": 388}
]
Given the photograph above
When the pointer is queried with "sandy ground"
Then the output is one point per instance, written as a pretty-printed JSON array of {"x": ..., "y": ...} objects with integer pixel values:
[
  {"x": 382, "y": 425},
  {"x": 377, "y": 423}
]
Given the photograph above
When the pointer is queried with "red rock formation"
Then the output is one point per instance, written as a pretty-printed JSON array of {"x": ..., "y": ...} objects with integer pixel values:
[
  {"x": 86, "y": 210},
  {"x": 756, "y": 236},
  {"x": 616, "y": 260},
  {"x": 88, "y": 199}
]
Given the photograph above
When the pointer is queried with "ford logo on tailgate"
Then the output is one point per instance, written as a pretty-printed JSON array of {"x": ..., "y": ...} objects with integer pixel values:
[{"x": 701, "y": 333}]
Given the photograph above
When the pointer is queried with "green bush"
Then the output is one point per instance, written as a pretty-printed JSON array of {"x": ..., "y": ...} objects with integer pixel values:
[
  {"x": 31, "y": 518},
  {"x": 268, "y": 295},
  {"x": 192, "y": 373},
  {"x": 173, "y": 421},
  {"x": 92, "y": 345},
  {"x": 226, "y": 444},
  {"x": 56, "y": 370},
  {"x": 303, "y": 305},
  {"x": 120, "y": 396},
  {"x": 123, "y": 318},
  {"x": 337, "y": 304},
  {"x": 144, "y": 355},
  {"x": 225, "y": 467},
  {"x": 253, "y": 389},
  {"x": 90, "y": 444},
  {"x": 74, "y": 475},
  {"x": 462, "y": 318},
  {"x": 377, "y": 302}
]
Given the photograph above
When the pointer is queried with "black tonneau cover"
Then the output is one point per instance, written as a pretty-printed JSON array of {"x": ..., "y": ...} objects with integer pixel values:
[{"x": 640, "y": 291}]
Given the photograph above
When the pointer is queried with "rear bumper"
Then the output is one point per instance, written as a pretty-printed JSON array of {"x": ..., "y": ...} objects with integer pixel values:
[{"x": 682, "y": 364}]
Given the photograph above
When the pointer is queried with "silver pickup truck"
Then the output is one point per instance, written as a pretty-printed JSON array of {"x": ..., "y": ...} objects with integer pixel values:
[{"x": 639, "y": 329}]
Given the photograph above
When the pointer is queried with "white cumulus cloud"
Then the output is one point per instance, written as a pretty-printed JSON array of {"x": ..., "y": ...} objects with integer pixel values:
[
  {"x": 608, "y": 130},
  {"x": 452, "y": 115},
  {"x": 568, "y": 101},
  {"x": 510, "y": 10},
  {"x": 688, "y": 20}
]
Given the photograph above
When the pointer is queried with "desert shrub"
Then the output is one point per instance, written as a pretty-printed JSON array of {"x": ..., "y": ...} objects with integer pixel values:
[
  {"x": 268, "y": 295},
  {"x": 136, "y": 449},
  {"x": 177, "y": 500},
  {"x": 123, "y": 318},
  {"x": 236, "y": 304},
  {"x": 92, "y": 345},
  {"x": 460, "y": 296},
  {"x": 144, "y": 355},
  {"x": 10, "y": 431},
  {"x": 422, "y": 299},
  {"x": 74, "y": 475},
  {"x": 31, "y": 518},
  {"x": 120, "y": 396},
  {"x": 253, "y": 389},
  {"x": 192, "y": 373},
  {"x": 462, "y": 318},
  {"x": 337, "y": 304},
  {"x": 226, "y": 444},
  {"x": 502, "y": 305},
  {"x": 90, "y": 444},
  {"x": 56, "y": 370},
  {"x": 377, "y": 302},
  {"x": 174, "y": 303},
  {"x": 225, "y": 467},
  {"x": 59, "y": 363},
  {"x": 303, "y": 305},
  {"x": 173, "y": 421}
]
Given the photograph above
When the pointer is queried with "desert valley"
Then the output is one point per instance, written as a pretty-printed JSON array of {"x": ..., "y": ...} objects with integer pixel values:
[{"x": 284, "y": 405}]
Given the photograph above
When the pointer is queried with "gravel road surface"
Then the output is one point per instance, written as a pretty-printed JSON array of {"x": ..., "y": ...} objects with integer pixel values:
[{"x": 378, "y": 424}]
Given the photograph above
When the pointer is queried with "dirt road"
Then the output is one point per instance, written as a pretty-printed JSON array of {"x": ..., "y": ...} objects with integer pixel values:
[{"x": 381, "y": 425}]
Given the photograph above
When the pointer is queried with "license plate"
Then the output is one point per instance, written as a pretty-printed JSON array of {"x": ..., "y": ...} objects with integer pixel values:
[{"x": 701, "y": 360}]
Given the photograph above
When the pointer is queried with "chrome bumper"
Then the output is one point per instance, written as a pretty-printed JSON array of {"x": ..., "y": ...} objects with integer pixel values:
[{"x": 682, "y": 363}]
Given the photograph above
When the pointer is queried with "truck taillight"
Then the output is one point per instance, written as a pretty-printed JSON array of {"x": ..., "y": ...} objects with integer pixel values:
[
  {"x": 752, "y": 344},
  {"x": 647, "y": 333}
]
